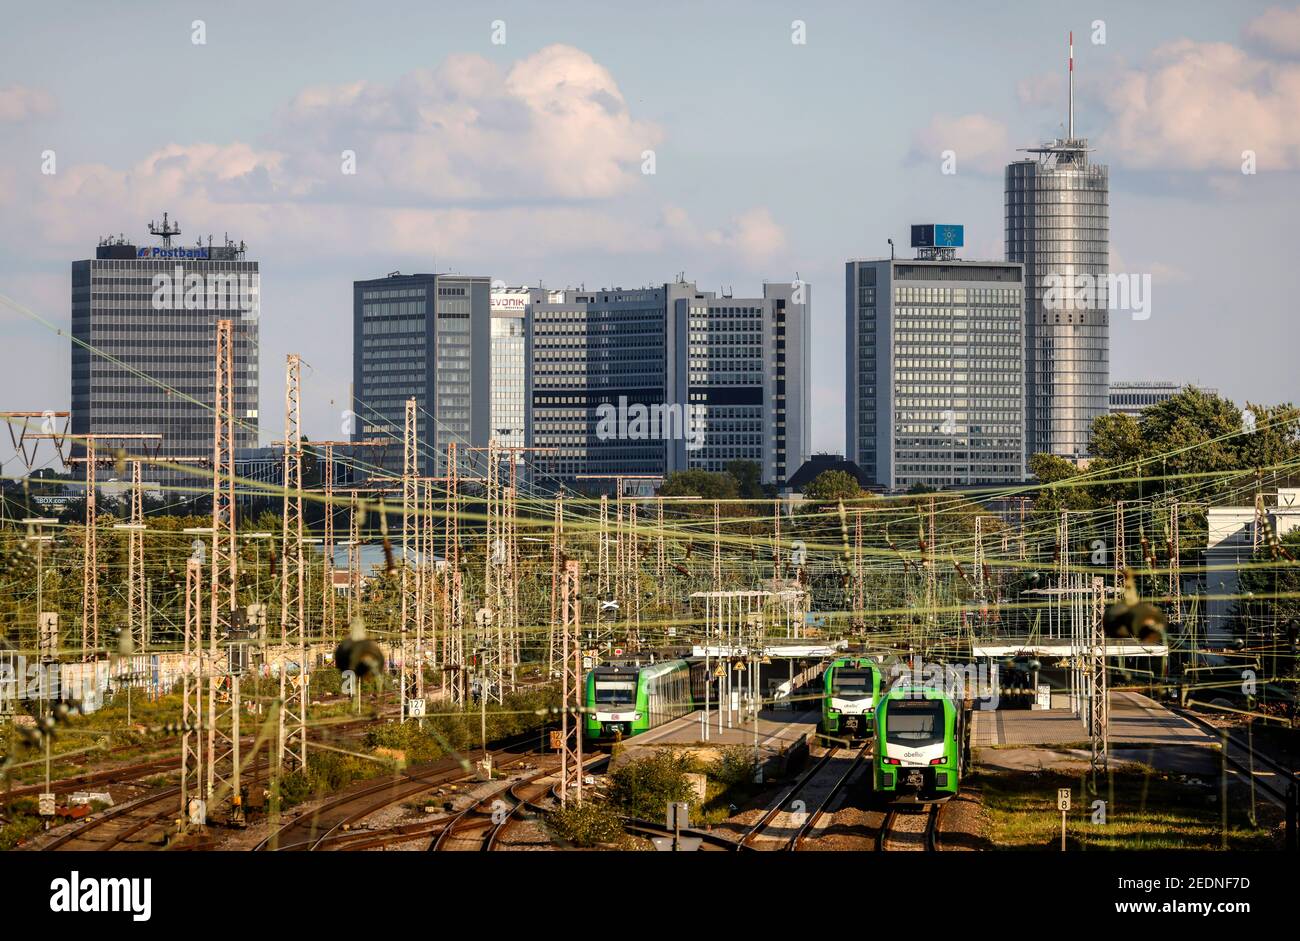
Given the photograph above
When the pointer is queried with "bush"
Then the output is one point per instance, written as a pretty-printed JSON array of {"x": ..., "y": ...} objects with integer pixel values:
[
  {"x": 643, "y": 788},
  {"x": 735, "y": 767},
  {"x": 586, "y": 824},
  {"x": 460, "y": 732},
  {"x": 326, "y": 772}
]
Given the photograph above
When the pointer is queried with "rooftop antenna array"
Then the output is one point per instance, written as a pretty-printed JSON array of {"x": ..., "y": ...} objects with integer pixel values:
[{"x": 165, "y": 231}]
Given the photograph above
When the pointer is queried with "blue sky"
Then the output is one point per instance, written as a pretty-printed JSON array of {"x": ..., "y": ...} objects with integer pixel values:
[{"x": 523, "y": 161}]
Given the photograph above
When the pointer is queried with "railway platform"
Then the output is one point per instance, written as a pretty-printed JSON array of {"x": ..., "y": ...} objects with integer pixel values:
[
  {"x": 1135, "y": 719},
  {"x": 780, "y": 734}
]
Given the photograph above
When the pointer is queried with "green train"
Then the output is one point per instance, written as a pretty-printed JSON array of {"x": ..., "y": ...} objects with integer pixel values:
[
  {"x": 922, "y": 744},
  {"x": 626, "y": 698},
  {"x": 850, "y": 690}
]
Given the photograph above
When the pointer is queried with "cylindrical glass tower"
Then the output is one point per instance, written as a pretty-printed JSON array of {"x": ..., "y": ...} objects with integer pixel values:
[{"x": 1058, "y": 223}]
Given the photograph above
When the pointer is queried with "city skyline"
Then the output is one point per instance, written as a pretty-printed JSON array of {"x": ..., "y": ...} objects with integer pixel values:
[{"x": 719, "y": 208}]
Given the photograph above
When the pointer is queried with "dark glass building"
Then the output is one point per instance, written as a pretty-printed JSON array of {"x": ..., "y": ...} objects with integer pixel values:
[
  {"x": 427, "y": 336},
  {"x": 144, "y": 322}
]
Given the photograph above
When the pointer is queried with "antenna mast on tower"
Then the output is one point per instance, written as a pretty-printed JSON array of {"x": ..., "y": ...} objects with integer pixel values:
[
  {"x": 1072, "y": 85},
  {"x": 165, "y": 231}
]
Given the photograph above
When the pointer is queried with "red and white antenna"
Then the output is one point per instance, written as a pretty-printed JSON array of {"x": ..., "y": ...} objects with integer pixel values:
[{"x": 1071, "y": 135}]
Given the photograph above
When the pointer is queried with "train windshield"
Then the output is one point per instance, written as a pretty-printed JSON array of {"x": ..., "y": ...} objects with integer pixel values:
[
  {"x": 852, "y": 684},
  {"x": 616, "y": 690},
  {"x": 914, "y": 722}
]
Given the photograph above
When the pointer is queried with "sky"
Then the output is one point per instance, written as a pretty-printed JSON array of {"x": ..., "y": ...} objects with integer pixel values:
[{"x": 511, "y": 139}]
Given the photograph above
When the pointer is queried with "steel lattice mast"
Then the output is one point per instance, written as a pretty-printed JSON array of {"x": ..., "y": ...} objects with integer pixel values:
[
  {"x": 572, "y": 686},
  {"x": 223, "y": 678},
  {"x": 135, "y": 591},
  {"x": 193, "y": 776},
  {"x": 292, "y": 746},
  {"x": 410, "y": 534}
]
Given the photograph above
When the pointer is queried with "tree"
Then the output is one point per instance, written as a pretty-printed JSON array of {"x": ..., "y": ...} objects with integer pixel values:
[
  {"x": 832, "y": 486},
  {"x": 749, "y": 478},
  {"x": 699, "y": 483}
]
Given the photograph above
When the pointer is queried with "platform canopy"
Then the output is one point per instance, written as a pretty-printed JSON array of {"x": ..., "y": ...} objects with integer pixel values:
[
  {"x": 1003, "y": 647},
  {"x": 774, "y": 651}
]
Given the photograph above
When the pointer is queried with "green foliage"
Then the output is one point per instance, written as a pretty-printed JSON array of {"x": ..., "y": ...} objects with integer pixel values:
[
  {"x": 831, "y": 486},
  {"x": 587, "y": 824},
  {"x": 327, "y": 772},
  {"x": 734, "y": 767},
  {"x": 748, "y": 476},
  {"x": 447, "y": 733},
  {"x": 644, "y": 787},
  {"x": 700, "y": 483}
]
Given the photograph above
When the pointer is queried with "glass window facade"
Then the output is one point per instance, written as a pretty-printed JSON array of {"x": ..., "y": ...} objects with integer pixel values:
[
  {"x": 1058, "y": 223},
  {"x": 936, "y": 373},
  {"x": 142, "y": 368}
]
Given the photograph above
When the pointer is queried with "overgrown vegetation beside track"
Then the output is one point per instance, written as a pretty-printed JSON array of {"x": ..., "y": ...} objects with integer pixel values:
[
  {"x": 446, "y": 733},
  {"x": 1145, "y": 810},
  {"x": 642, "y": 788}
]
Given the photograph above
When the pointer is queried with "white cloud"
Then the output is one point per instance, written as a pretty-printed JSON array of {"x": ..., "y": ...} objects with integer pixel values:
[
  {"x": 1276, "y": 30},
  {"x": 20, "y": 103},
  {"x": 553, "y": 127},
  {"x": 1199, "y": 105},
  {"x": 753, "y": 237},
  {"x": 1043, "y": 91},
  {"x": 979, "y": 142},
  {"x": 468, "y": 160}
]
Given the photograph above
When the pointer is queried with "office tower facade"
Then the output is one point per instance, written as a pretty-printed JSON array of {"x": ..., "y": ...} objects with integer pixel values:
[
  {"x": 426, "y": 336},
  {"x": 510, "y": 309},
  {"x": 935, "y": 371},
  {"x": 1131, "y": 398},
  {"x": 1058, "y": 226},
  {"x": 144, "y": 326},
  {"x": 744, "y": 370},
  {"x": 652, "y": 380}
]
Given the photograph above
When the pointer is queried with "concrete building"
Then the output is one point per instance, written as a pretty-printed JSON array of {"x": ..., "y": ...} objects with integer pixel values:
[
  {"x": 935, "y": 370},
  {"x": 1231, "y": 537},
  {"x": 426, "y": 336},
  {"x": 652, "y": 380},
  {"x": 1130, "y": 398},
  {"x": 1058, "y": 226},
  {"x": 144, "y": 324}
]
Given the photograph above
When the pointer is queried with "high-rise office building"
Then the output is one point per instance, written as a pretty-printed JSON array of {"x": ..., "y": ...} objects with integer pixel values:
[
  {"x": 745, "y": 371},
  {"x": 426, "y": 336},
  {"x": 657, "y": 379},
  {"x": 144, "y": 326},
  {"x": 1131, "y": 398},
  {"x": 1058, "y": 226},
  {"x": 935, "y": 370},
  {"x": 510, "y": 309}
]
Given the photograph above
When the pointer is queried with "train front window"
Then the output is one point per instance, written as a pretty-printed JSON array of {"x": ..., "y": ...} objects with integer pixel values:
[
  {"x": 912, "y": 723},
  {"x": 616, "y": 691},
  {"x": 851, "y": 685}
]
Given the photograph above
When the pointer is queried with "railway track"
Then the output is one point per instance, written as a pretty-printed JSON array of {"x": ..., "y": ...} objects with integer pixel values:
[
  {"x": 326, "y": 824},
  {"x": 787, "y": 824},
  {"x": 128, "y": 773},
  {"x": 1269, "y": 777},
  {"x": 114, "y": 828},
  {"x": 904, "y": 830},
  {"x": 479, "y": 826}
]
